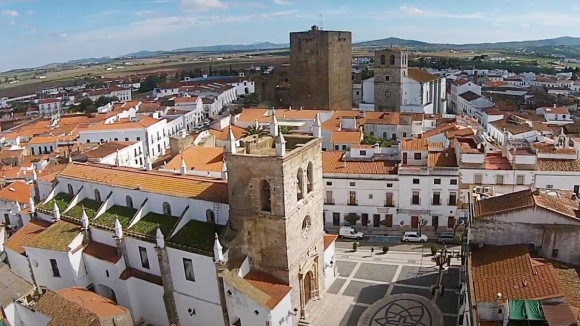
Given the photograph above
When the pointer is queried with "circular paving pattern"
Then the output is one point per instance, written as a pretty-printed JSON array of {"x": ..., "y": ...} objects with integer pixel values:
[{"x": 402, "y": 310}]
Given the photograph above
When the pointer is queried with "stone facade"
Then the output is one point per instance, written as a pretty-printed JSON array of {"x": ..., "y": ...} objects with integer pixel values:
[
  {"x": 320, "y": 75},
  {"x": 390, "y": 66},
  {"x": 285, "y": 238}
]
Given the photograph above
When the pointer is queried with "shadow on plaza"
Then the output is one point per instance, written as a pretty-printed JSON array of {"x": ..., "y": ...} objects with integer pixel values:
[{"x": 411, "y": 280}]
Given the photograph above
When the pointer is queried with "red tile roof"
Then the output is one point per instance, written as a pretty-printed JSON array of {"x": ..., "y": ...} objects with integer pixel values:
[
  {"x": 332, "y": 162},
  {"x": 329, "y": 239},
  {"x": 102, "y": 251},
  {"x": 27, "y": 233},
  {"x": 268, "y": 285},
  {"x": 16, "y": 191},
  {"x": 101, "y": 306}
]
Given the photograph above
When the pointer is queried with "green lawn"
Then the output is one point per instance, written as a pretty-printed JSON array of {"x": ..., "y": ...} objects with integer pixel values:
[
  {"x": 62, "y": 200},
  {"x": 197, "y": 234},
  {"x": 148, "y": 224},
  {"x": 124, "y": 214},
  {"x": 91, "y": 206}
]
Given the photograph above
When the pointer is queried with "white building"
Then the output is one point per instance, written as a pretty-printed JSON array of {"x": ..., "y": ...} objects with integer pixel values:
[
  {"x": 459, "y": 87},
  {"x": 122, "y": 94},
  {"x": 556, "y": 115},
  {"x": 49, "y": 106}
]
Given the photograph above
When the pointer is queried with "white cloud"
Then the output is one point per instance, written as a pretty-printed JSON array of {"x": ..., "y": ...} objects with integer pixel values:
[
  {"x": 10, "y": 13},
  {"x": 202, "y": 5},
  {"x": 282, "y": 2},
  {"x": 411, "y": 10},
  {"x": 144, "y": 13}
]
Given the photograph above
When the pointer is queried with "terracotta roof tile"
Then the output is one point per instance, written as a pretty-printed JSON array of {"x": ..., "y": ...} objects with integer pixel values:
[
  {"x": 101, "y": 306},
  {"x": 333, "y": 123},
  {"x": 556, "y": 110},
  {"x": 106, "y": 149},
  {"x": 102, "y": 251},
  {"x": 332, "y": 162},
  {"x": 543, "y": 164},
  {"x": 198, "y": 158},
  {"x": 57, "y": 237},
  {"x": 470, "y": 96},
  {"x": 268, "y": 285},
  {"x": 545, "y": 148},
  {"x": 460, "y": 82},
  {"x": 496, "y": 161},
  {"x": 558, "y": 314},
  {"x": 510, "y": 271},
  {"x": 346, "y": 137},
  {"x": 504, "y": 203},
  {"x": 225, "y": 133},
  {"x": 16, "y": 191},
  {"x": 421, "y": 76},
  {"x": 26, "y": 234},
  {"x": 415, "y": 145},
  {"x": 329, "y": 239},
  {"x": 63, "y": 312},
  {"x": 443, "y": 159},
  {"x": 186, "y": 186}
]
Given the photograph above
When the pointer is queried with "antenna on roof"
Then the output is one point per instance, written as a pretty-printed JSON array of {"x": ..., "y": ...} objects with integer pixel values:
[{"x": 320, "y": 23}]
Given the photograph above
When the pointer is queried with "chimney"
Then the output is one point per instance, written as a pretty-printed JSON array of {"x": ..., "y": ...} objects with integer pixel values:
[
  {"x": 148, "y": 163},
  {"x": 183, "y": 167},
  {"x": 280, "y": 145}
]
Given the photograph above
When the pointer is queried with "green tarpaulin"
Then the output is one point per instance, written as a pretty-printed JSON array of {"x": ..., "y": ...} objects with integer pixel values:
[
  {"x": 525, "y": 310},
  {"x": 533, "y": 311},
  {"x": 517, "y": 310}
]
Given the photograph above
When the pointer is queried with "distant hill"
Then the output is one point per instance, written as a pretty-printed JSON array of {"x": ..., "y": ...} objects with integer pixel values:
[
  {"x": 234, "y": 47},
  {"x": 560, "y": 41}
]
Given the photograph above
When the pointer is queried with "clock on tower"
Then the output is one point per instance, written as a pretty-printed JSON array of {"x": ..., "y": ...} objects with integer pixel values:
[{"x": 387, "y": 94}]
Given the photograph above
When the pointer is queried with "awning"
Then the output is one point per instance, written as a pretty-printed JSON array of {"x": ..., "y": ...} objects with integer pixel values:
[{"x": 525, "y": 310}]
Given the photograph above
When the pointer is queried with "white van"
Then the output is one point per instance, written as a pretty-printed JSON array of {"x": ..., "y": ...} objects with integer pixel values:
[{"x": 350, "y": 232}]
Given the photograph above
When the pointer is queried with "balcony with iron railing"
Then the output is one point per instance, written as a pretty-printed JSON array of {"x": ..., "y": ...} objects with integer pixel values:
[
  {"x": 329, "y": 201},
  {"x": 352, "y": 202},
  {"x": 389, "y": 203}
]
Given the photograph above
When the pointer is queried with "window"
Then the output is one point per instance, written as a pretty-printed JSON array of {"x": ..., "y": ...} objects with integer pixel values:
[
  {"x": 499, "y": 179},
  {"x": 477, "y": 179},
  {"x": 415, "y": 181},
  {"x": 549, "y": 187},
  {"x": 336, "y": 147},
  {"x": 392, "y": 59},
  {"x": 210, "y": 216},
  {"x": 417, "y": 156},
  {"x": 385, "y": 135},
  {"x": 437, "y": 181},
  {"x": 576, "y": 189},
  {"x": 404, "y": 134},
  {"x": 54, "y": 266},
  {"x": 299, "y": 184},
  {"x": 389, "y": 200},
  {"x": 344, "y": 147},
  {"x": 265, "y": 196},
  {"x": 363, "y": 153},
  {"x": 329, "y": 199},
  {"x": 166, "y": 209},
  {"x": 116, "y": 139},
  {"x": 383, "y": 59},
  {"x": 328, "y": 183},
  {"x": 70, "y": 190},
  {"x": 144, "y": 257},
  {"x": 415, "y": 198},
  {"x": 520, "y": 180},
  {"x": 129, "y": 201},
  {"x": 97, "y": 195},
  {"x": 309, "y": 177},
  {"x": 453, "y": 182},
  {"x": 387, "y": 78},
  {"x": 436, "y": 198},
  {"x": 127, "y": 138},
  {"x": 452, "y": 199},
  {"x": 352, "y": 184},
  {"x": 188, "y": 269},
  {"x": 352, "y": 201},
  {"x": 138, "y": 138},
  {"x": 389, "y": 185}
]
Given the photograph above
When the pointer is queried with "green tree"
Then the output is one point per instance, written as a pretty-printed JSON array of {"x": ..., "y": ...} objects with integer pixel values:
[
  {"x": 104, "y": 100},
  {"x": 369, "y": 139},
  {"x": 150, "y": 83},
  {"x": 254, "y": 131},
  {"x": 251, "y": 100},
  {"x": 352, "y": 218}
]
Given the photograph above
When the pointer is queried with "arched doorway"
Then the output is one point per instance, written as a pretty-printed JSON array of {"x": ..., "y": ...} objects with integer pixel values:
[
  {"x": 308, "y": 287},
  {"x": 106, "y": 292}
]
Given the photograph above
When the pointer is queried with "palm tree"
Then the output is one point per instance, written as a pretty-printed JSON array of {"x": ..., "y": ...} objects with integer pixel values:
[
  {"x": 254, "y": 130},
  {"x": 284, "y": 130}
]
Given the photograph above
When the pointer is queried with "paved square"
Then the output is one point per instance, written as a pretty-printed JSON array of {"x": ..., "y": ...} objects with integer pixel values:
[
  {"x": 345, "y": 268},
  {"x": 375, "y": 272},
  {"x": 366, "y": 293},
  {"x": 363, "y": 280}
]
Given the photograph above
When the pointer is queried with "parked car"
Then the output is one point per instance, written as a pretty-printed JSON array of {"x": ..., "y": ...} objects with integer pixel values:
[
  {"x": 445, "y": 238},
  {"x": 414, "y": 237},
  {"x": 350, "y": 233}
]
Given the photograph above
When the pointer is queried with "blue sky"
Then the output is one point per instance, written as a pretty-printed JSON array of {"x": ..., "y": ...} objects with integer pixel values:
[{"x": 37, "y": 32}]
